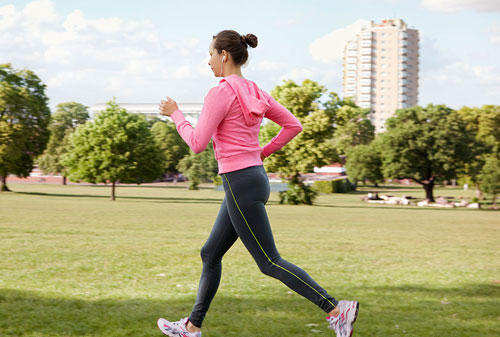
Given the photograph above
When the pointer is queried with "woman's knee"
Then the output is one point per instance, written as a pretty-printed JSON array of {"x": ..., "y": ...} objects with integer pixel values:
[
  {"x": 208, "y": 256},
  {"x": 267, "y": 268}
]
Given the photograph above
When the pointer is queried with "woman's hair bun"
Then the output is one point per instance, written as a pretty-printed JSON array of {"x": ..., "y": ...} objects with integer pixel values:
[{"x": 250, "y": 40}]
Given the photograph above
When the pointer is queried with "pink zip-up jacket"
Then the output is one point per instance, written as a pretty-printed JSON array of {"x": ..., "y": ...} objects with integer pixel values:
[{"x": 231, "y": 115}]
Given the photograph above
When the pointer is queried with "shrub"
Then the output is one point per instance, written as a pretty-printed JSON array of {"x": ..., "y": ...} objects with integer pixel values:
[
  {"x": 217, "y": 180},
  {"x": 297, "y": 193},
  {"x": 333, "y": 186}
]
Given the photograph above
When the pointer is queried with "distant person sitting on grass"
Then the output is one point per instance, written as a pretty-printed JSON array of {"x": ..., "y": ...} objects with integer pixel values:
[{"x": 231, "y": 116}]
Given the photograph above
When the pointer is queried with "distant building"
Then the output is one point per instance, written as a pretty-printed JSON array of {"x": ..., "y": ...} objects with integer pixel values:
[
  {"x": 336, "y": 168},
  {"x": 381, "y": 69},
  {"x": 190, "y": 110}
]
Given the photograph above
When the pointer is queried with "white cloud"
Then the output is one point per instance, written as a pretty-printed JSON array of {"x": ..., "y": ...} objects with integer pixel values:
[
  {"x": 494, "y": 32},
  {"x": 459, "y": 5},
  {"x": 266, "y": 65},
  {"x": 431, "y": 54},
  {"x": 459, "y": 84},
  {"x": 298, "y": 75},
  {"x": 39, "y": 12},
  {"x": 75, "y": 22},
  {"x": 329, "y": 49},
  {"x": 92, "y": 60},
  {"x": 8, "y": 17},
  {"x": 183, "y": 72}
]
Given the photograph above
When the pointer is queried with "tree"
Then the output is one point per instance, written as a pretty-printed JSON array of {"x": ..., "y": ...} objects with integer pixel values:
[
  {"x": 172, "y": 145},
  {"x": 116, "y": 146},
  {"x": 353, "y": 127},
  {"x": 199, "y": 167},
  {"x": 24, "y": 120},
  {"x": 489, "y": 178},
  {"x": 152, "y": 120},
  {"x": 427, "y": 145},
  {"x": 364, "y": 162},
  {"x": 484, "y": 123},
  {"x": 64, "y": 121},
  {"x": 312, "y": 147}
]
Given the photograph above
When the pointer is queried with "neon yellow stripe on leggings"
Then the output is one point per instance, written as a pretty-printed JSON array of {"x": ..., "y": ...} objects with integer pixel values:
[{"x": 250, "y": 229}]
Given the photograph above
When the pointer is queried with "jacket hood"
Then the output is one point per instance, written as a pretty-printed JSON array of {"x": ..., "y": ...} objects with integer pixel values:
[{"x": 253, "y": 102}]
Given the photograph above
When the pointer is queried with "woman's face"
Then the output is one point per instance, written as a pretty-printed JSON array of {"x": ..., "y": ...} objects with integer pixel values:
[{"x": 215, "y": 61}]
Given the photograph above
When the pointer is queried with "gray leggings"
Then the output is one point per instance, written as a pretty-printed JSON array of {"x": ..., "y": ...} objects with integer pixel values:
[{"x": 243, "y": 214}]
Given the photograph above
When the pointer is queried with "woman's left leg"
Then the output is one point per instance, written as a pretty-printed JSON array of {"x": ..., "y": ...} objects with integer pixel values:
[{"x": 221, "y": 238}]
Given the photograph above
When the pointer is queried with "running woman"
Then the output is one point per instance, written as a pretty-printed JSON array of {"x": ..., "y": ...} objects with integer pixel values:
[{"x": 231, "y": 116}]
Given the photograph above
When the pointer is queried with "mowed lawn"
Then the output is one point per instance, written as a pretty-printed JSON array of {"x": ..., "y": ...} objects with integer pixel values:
[{"x": 74, "y": 263}]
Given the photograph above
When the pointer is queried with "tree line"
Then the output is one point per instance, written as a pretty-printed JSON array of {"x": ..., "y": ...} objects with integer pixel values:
[{"x": 429, "y": 145}]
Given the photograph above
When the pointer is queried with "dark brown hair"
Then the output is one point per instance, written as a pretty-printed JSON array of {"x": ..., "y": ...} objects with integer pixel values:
[{"x": 235, "y": 44}]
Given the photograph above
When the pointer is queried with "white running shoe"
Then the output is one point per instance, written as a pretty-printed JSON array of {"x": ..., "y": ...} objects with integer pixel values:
[
  {"x": 342, "y": 323},
  {"x": 176, "y": 329}
]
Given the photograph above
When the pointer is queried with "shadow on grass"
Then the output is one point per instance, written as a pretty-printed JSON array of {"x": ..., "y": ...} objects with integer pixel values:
[
  {"x": 410, "y": 310},
  {"x": 490, "y": 291},
  {"x": 166, "y": 199},
  {"x": 153, "y": 199},
  {"x": 29, "y": 314}
]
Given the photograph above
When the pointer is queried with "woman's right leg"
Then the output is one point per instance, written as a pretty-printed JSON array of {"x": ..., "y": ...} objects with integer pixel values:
[{"x": 219, "y": 241}]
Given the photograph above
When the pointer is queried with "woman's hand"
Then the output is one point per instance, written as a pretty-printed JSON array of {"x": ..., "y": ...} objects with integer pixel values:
[{"x": 168, "y": 107}]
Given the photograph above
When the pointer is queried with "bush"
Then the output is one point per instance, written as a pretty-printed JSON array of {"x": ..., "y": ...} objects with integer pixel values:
[
  {"x": 217, "y": 180},
  {"x": 323, "y": 186},
  {"x": 333, "y": 186},
  {"x": 297, "y": 193}
]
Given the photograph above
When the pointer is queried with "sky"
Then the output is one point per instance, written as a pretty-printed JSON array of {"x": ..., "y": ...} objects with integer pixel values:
[{"x": 141, "y": 51}]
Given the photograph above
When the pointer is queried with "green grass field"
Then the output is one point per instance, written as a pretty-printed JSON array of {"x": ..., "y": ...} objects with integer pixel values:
[{"x": 74, "y": 263}]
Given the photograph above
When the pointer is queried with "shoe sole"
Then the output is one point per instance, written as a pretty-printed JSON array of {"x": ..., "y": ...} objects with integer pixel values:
[{"x": 355, "y": 318}]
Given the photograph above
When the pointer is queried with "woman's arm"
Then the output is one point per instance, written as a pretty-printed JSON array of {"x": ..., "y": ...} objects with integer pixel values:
[
  {"x": 213, "y": 112},
  {"x": 290, "y": 127}
]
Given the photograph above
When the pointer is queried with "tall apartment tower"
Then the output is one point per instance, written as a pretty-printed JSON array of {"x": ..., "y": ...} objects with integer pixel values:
[{"x": 381, "y": 69}]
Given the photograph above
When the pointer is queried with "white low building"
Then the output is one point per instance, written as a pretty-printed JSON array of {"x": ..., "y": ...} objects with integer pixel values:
[
  {"x": 332, "y": 168},
  {"x": 190, "y": 110}
]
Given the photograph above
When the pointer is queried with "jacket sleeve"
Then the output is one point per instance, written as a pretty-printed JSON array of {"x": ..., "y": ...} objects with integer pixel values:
[
  {"x": 215, "y": 107},
  {"x": 290, "y": 126}
]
